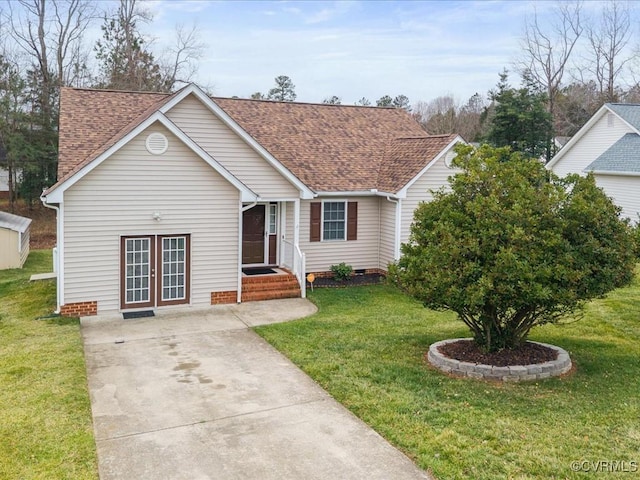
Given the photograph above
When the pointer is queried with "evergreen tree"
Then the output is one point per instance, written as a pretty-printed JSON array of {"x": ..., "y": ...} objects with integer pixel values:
[
  {"x": 284, "y": 91},
  {"x": 520, "y": 119}
]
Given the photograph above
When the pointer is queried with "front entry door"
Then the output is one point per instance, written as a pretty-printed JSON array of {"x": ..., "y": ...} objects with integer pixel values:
[
  {"x": 155, "y": 270},
  {"x": 253, "y": 235}
]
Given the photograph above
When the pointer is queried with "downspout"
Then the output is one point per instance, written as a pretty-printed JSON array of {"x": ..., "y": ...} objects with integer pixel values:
[
  {"x": 56, "y": 260},
  {"x": 240, "y": 212},
  {"x": 398, "y": 225}
]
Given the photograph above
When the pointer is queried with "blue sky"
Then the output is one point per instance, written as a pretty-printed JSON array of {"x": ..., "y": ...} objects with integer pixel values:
[{"x": 352, "y": 49}]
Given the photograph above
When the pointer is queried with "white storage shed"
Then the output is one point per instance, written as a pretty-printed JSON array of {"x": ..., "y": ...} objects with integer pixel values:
[{"x": 14, "y": 240}]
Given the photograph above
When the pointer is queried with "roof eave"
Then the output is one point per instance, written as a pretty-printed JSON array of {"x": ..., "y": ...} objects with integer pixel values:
[
  {"x": 613, "y": 173},
  {"x": 54, "y": 195}
]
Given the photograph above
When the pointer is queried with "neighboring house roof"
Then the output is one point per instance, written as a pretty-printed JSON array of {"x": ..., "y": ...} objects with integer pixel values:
[
  {"x": 14, "y": 222},
  {"x": 629, "y": 112},
  {"x": 330, "y": 148},
  {"x": 622, "y": 157}
]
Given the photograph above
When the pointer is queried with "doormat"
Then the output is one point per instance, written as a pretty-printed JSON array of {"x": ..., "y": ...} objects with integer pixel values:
[
  {"x": 258, "y": 271},
  {"x": 144, "y": 313}
]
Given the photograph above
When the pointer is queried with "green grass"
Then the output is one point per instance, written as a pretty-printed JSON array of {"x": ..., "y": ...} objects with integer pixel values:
[
  {"x": 366, "y": 346},
  {"x": 45, "y": 415}
]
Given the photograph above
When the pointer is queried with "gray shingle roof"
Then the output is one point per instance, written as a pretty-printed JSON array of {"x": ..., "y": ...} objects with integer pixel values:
[
  {"x": 14, "y": 222},
  {"x": 622, "y": 156},
  {"x": 630, "y": 112}
]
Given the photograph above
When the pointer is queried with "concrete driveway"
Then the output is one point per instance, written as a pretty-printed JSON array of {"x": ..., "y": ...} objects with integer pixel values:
[{"x": 198, "y": 395}]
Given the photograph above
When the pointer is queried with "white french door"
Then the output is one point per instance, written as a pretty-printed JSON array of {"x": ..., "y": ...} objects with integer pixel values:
[{"x": 155, "y": 270}]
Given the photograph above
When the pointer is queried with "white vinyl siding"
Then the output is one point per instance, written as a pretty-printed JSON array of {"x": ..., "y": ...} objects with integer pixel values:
[
  {"x": 119, "y": 198},
  {"x": 420, "y": 191},
  {"x": 210, "y": 133},
  {"x": 289, "y": 220},
  {"x": 624, "y": 192},
  {"x": 360, "y": 253},
  {"x": 387, "y": 232},
  {"x": 590, "y": 146}
]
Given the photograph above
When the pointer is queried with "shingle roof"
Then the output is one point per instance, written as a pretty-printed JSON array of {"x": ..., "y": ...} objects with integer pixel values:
[
  {"x": 328, "y": 147},
  {"x": 405, "y": 157},
  {"x": 622, "y": 156},
  {"x": 630, "y": 112},
  {"x": 14, "y": 222},
  {"x": 90, "y": 118}
]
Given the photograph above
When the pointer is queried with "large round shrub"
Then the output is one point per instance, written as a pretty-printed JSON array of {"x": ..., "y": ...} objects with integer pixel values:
[{"x": 510, "y": 246}]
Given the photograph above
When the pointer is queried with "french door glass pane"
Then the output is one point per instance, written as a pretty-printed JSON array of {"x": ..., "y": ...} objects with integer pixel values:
[
  {"x": 173, "y": 264},
  {"x": 137, "y": 254}
]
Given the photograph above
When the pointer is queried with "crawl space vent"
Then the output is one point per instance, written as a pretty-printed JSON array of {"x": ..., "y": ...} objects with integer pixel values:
[{"x": 157, "y": 143}]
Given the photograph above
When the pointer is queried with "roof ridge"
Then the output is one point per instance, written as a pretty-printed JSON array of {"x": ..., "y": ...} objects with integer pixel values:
[
  {"x": 415, "y": 137},
  {"x": 109, "y": 90},
  {"x": 284, "y": 102}
]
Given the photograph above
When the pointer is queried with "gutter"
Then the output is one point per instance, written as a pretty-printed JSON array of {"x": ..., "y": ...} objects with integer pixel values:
[
  {"x": 398, "y": 226},
  {"x": 56, "y": 259}
]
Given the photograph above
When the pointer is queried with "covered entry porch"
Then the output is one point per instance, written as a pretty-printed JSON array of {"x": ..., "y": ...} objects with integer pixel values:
[{"x": 272, "y": 265}]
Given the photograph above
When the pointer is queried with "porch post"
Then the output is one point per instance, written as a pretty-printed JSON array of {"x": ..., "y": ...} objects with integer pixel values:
[{"x": 296, "y": 228}]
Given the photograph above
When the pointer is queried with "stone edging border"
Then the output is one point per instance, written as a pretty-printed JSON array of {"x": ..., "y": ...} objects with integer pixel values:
[{"x": 516, "y": 373}]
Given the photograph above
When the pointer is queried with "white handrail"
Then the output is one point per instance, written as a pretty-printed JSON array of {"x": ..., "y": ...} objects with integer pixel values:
[{"x": 295, "y": 260}]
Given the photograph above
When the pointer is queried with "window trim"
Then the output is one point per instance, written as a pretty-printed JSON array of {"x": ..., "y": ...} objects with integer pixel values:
[
  {"x": 274, "y": 231},
  {"x": 345, "y": 220}
]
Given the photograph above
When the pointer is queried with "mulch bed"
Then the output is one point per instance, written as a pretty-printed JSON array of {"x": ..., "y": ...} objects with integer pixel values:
[
  {"x": 355, "y": 280},
  {"x": 528, "y": 354}
]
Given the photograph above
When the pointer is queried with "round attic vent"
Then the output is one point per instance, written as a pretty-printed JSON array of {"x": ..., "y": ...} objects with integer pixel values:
[
  {"x": 157, "y": 143},
  {"x": 448, "y": 158}
]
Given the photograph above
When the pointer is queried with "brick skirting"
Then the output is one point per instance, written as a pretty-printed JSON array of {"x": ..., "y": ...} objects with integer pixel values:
[
  {"x": 368, "y": 271},
  {"x": 230, "y": 296},
  {"x": 80, "y": 309}
]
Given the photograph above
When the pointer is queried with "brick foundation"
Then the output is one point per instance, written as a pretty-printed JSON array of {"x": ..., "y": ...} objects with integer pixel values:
[
  {"x": 367, "y": 271},
  {"x": 230, "y": 296},
  {"x": 80, "y": 309}
]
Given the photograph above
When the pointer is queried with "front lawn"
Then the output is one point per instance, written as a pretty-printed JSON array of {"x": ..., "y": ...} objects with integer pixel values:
[
  {"x": 366, "y": 347},
  {"x": 45, "y": 415}
]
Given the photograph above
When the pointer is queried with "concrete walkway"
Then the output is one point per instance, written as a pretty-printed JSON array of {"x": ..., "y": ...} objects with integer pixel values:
[{"x": 197, "y": 395}]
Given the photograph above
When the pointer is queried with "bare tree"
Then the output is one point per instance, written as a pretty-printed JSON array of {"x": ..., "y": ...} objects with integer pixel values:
[
  {"x": 71, "y": 19},
  {"x": 548, "y": 47},
  {"x": 608, "y": 38},
  {"x": 51, "y": 33},
  {"x": 439, "y": 115},
  {"x": 180, "y": 62}
]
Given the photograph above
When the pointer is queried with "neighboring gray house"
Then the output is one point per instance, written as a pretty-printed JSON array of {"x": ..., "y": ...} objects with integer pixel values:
[
  {"x": 180, "y": 199},
  {"x": 608, "y": 145}
]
